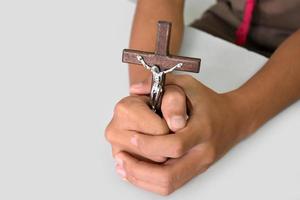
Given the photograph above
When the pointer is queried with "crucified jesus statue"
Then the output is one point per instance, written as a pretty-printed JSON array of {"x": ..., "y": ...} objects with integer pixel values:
[
  {"x": 158, "y": 78},
  {"x": 159, "y": 62}
]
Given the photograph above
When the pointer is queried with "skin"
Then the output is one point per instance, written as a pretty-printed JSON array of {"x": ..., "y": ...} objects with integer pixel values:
[{"x": 198, "y": 125}]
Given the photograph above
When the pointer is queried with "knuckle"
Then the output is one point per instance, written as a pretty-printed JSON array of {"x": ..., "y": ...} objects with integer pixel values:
[
  {"x": 167, "y": 180},
  {"x": 108, "y": 133},
  {"x": 125, "y": 104},
  {"x": 178, "y": 148},
  {"x": 210, "y": 156},
  {"x": 140, "y": 145},
  {"x": 166, "y": 191},
  {"x": 139, "y": 141},
  {"x": 122, "y": 106}
]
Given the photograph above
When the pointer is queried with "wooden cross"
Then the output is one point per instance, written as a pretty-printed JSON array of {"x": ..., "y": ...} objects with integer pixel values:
[
  {"x": 161, "y": 56},
  {"x": 160, "y": 62}
]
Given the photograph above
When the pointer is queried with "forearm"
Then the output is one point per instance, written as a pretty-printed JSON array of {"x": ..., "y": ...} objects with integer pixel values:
[
  {"x": 273, "y": 88},
  {"x": 143, "y": 35}
]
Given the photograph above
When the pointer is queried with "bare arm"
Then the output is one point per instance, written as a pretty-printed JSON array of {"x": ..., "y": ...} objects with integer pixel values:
[
  {"x": 216, "y": 122},
  {"x": 143, "y": 35},
  {"x": 274, "y": 87}
]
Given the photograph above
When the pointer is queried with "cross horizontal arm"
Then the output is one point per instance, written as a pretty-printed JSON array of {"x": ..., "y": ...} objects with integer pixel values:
[{"x": 163, "y": 62}]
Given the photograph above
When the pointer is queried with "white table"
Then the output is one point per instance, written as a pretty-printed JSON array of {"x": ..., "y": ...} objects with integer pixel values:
[{"x": 60, "y": 76}]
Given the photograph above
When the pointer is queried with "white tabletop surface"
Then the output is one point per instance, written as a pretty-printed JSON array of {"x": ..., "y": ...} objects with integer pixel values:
[{"x": 60, "y": 76}]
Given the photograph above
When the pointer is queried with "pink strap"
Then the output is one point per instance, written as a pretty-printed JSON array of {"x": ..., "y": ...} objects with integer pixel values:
[{"x": 243, "y": 30}]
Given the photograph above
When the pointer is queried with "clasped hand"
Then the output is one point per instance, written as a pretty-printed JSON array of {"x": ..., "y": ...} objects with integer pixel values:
[{"x": 161, "y": 154}]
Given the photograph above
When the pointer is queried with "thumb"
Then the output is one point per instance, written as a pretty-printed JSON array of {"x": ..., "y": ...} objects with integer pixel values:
[{"x": 174, "y": 108}]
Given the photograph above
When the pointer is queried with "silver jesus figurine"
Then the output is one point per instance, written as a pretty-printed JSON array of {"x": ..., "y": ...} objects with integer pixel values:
[{"x": 158, "y": 82}]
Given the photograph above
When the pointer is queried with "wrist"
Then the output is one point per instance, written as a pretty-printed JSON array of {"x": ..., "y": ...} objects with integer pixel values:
[{"x": 242, "y": 113}]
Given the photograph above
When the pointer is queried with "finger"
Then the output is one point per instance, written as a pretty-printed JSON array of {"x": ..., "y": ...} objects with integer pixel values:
[
  {"x": 146, "y": 185},
  {"x": 177, "y": 144},
  {"x": 184, "y": 81},
  {"x": 174, "y": 107},
  {"x": 133, "y": 178},
  {"x": 139, "y": 183},
  {"x": 160, "y": 147},
  {"x": 167, "y": 177},
  {"x": 123, "y": 140},
  {"x": 144, "y": 171},
  {"x": 126, "y": 141},
  {"x": 189, "y": 85},
  {"x": 115, "y": 150},
  {"x": 195, "y": 162},
  {"x": 134, "y": 113}
]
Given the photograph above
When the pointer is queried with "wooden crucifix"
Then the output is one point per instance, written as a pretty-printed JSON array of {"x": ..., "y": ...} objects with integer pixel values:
[{"x": 160, "y": 62}]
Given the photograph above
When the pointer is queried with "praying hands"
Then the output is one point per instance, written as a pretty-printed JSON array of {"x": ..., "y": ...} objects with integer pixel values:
[
  {"x": 161, "y": 154},
  {"x": 198, "y": 125}
]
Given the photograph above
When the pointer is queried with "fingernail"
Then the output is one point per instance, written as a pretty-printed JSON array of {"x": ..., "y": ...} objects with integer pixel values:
[
  {"x": 177, "y": 122},
  {"x": 133, "y": 140},
  {"x": 121, "y": 172},
  {"x": 120, "y": 168},
  {"x": 119, "y": 161}
]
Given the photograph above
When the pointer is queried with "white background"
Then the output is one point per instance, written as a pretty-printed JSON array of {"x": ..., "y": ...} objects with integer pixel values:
[{"x": 60, "y": 76}]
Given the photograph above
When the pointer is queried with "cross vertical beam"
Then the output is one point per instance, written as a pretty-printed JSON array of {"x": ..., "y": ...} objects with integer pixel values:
[{"x": 163, "y": 38}]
